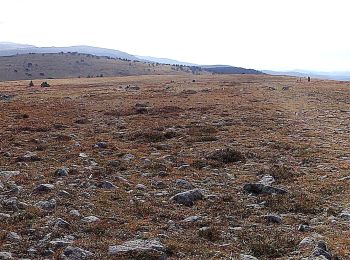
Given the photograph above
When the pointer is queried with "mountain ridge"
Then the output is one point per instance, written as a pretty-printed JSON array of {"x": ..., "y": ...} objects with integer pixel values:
[{"x": 15, "y": 50}]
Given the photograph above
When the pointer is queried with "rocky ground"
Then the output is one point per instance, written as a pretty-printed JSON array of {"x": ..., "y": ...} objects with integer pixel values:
[{"x": 177, "y": 167}]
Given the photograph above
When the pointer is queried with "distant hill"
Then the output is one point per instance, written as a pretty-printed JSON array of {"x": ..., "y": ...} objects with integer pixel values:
[
  {"x": 225, "y": 69},
  {"x": 14, "y": 60},
  {"x": 335, "y": 75},
  {"x": 12, "y": 46},
  {"x": 71, "y": 65},
  {"x": 165, "y": 61},
  {"x": 5, "y": 51}
]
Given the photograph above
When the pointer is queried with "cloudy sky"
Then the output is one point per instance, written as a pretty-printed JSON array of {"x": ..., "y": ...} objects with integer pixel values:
[{"x": 269, "y": 34}]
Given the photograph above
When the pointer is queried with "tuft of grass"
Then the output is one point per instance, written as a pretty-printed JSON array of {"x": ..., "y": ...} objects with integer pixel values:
[
  {"x": 227, "y": 155},
  {"x": 299, "y": 202},
  {"x": 269, "y": 244},
  {"x": 282, "y": 173}
]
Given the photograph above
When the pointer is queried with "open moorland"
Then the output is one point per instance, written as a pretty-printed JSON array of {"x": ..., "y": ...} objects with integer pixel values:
[{"x": 175, "y": 167}]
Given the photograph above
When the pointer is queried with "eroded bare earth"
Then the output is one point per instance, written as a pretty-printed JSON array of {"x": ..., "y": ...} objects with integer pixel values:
[{"x": 115, "y": 151}]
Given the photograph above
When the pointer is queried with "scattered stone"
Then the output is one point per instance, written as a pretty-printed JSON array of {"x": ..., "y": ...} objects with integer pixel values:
[
  {"x": 304, "y": 228},
  {"x": 259, "y": 188},
  {"x": 6, "y": 97},
  {"x": 4, "y": 216},
  {"x": 8, "y": 174},
  {"x": 171, "y": 224},
  {"x": 61, "y": 223},
  {"x": 32, "y": 250},
  {"x": 247, "y": 257},
  {"x": 62, "y": 242},
  {"x": 90, "y": 219},
  {"x": 10, "y": 204},
  {"x": 106, "y": 185},
  {"x": 101, "y": 145},
  {"x": 44, "y": 188},
  {"x": 183, "y": 167},
  {"x": 270, "y": 218},
  {"x": 64, "y": 193},
  {"x": 74, "y": 212},
  {"x": 132, "y": 88},
  {"x": 61, "y": 172},
  {"x": 183, "y": 184},
  {"x": 192, "y": 219},
  {"x": 321, "y": 250},
  {"x": 345, "y": 215},
  {"x": 28, "y": 157},
  {"x": 13, "y": 237},
  {"x": 83, "y": 155},
  {"x": 75, "y": 253},
  {"x": 114, "y": 163},
  {"x": 345, "y": 178},
  {"x": 159, "y": 184},
  {"x": 48, "y": 252},
  {"x": 307, "y": 242},
  {"x": 7, "y": 154},
  {"x": 187, "y": 198},
  {"x": 47, "y": 204},
  {"x": 163, "y": 174},
  {"x": 13, "y": 187},
  {"x": 5, "y": 255},
  {"x": 140, "y": 187},
  {"x": 267, "y": 180},
  {"x": 128, "y": 157},
  {"x": 140, "y": 249}
]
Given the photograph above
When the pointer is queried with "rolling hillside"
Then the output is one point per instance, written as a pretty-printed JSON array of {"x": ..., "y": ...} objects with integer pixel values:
[
  {"x": 226, "y": 69},
  {"x": 49, "y": 64},
  {"x": 71, "y": 65}
]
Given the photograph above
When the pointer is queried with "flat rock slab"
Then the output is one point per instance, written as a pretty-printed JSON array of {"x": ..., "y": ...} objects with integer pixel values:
[
  {"x": 247, "y": 257},
  {"x": 140, "y": 249},
  {"x": 75, "y": 253},
  {"x": 187, "y": 198},
  {"x": 8, "y": 174},
  {"x": 259, "y": 188}
]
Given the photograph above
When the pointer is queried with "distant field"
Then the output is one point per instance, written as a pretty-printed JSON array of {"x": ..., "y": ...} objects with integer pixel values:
[{"x": 74, "y": 65}]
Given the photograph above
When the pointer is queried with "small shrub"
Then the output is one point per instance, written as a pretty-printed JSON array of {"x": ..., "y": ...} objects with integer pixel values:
[
  {"x": 45, "y": 84},
  {"x": 82, "y": 120},
  {"x": 31, "y": 84},
  {"x": 209, "y": 233},
  {"x": 227, "y": 155},
  {"x": 202, "y": 130},
  {"x": 282, "y": 173},
  {"x": 153, "y": 136}
]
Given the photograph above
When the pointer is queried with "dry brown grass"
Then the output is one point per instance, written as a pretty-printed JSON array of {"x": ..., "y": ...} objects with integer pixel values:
[{"x": 298, "y": 138}]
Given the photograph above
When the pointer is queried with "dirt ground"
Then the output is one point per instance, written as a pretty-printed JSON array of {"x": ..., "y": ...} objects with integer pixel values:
[{"x": 132, "y": 143}]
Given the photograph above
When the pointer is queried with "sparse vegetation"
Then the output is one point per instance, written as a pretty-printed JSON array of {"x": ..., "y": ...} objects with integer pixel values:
[{"x": 91, "y": 163}]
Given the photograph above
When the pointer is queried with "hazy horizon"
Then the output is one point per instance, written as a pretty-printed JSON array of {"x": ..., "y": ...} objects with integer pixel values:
[{"x": 264, "y": 35}]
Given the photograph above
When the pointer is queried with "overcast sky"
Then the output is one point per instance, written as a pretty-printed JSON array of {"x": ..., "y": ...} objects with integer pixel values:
[{"x": 261, "y": 34}]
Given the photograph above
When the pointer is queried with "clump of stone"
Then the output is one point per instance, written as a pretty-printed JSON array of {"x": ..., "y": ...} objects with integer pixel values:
[
  {"x": 140, "y": 249},
  {"x": 188, "y": 198}
]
